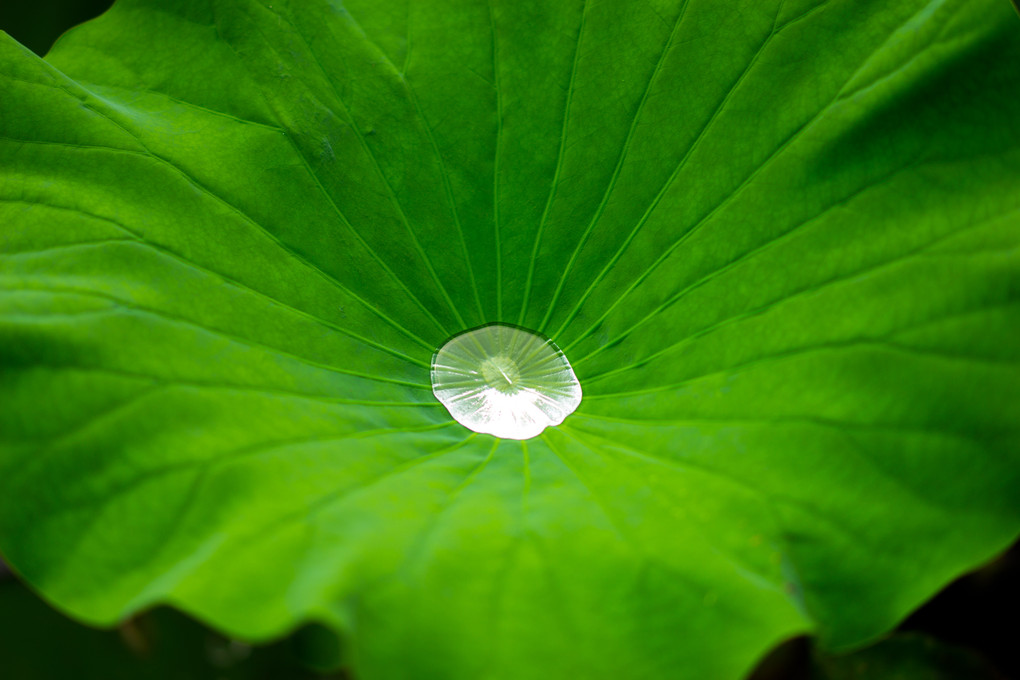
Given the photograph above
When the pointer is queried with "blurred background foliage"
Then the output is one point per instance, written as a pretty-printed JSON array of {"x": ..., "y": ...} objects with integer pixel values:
[
  {"x": 969, "y": 632},
  {"x": 37, "y": 24},
  {"x": 38, "y": 643}
]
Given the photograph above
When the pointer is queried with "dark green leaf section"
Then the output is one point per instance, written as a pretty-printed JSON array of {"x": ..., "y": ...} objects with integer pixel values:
[
  {"x": 906, "y": 657},
  {"x": 38, "y": 643},
  {"x": 777, "y": 240}
]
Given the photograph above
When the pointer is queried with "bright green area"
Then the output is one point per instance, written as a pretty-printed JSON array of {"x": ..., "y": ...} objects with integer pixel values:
[{"x": 777, "y": 240}]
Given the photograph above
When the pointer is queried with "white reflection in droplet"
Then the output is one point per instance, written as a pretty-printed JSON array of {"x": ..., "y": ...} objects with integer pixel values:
[{"x": 504, "y": 381}]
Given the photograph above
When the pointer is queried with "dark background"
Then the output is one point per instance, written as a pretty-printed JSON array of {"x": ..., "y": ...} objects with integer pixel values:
[
  {"x": 971, "y": 631},
  {"x": 36, "y": 24}
]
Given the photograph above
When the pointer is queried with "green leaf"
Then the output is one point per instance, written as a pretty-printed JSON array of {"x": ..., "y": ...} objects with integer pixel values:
[{"x": 777, "y": 241}]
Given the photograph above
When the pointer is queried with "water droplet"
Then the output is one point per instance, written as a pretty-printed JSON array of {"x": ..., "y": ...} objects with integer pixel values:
[{"x": 504, "y": 381}]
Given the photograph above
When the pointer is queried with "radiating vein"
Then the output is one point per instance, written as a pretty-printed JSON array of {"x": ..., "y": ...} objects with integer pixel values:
[
  {"x": 498, "y": 154},
  {"x": 173, "y": 318},
  {"x": 729, "y": 265},
  {"x": 856, "y": 344},
  {"x": 237, "y": 211},
  {"x": 192, "y": 264},
  {"x": 426, "y": 260},
  {"x": 656, "y": 72},
  {"x": 329, "y": 197},
  {"x": 732, "y": 195},
  {"x": 786, "y": 421},
  {"x": 262, "y": 448},
  {"x": 559, "y": 164},
  {"x": 665, "y": 187},
  {"x": 897, "y": 260},
  {"x": 443, "y": 171},
  {"x": 740, "y": 566}
]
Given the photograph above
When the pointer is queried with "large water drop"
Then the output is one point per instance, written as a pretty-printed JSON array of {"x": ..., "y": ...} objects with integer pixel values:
[{"x": 504, "y": 381}]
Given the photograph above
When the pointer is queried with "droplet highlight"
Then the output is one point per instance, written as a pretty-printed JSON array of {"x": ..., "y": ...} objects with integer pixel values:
[{"x": 504, "y": 381}]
